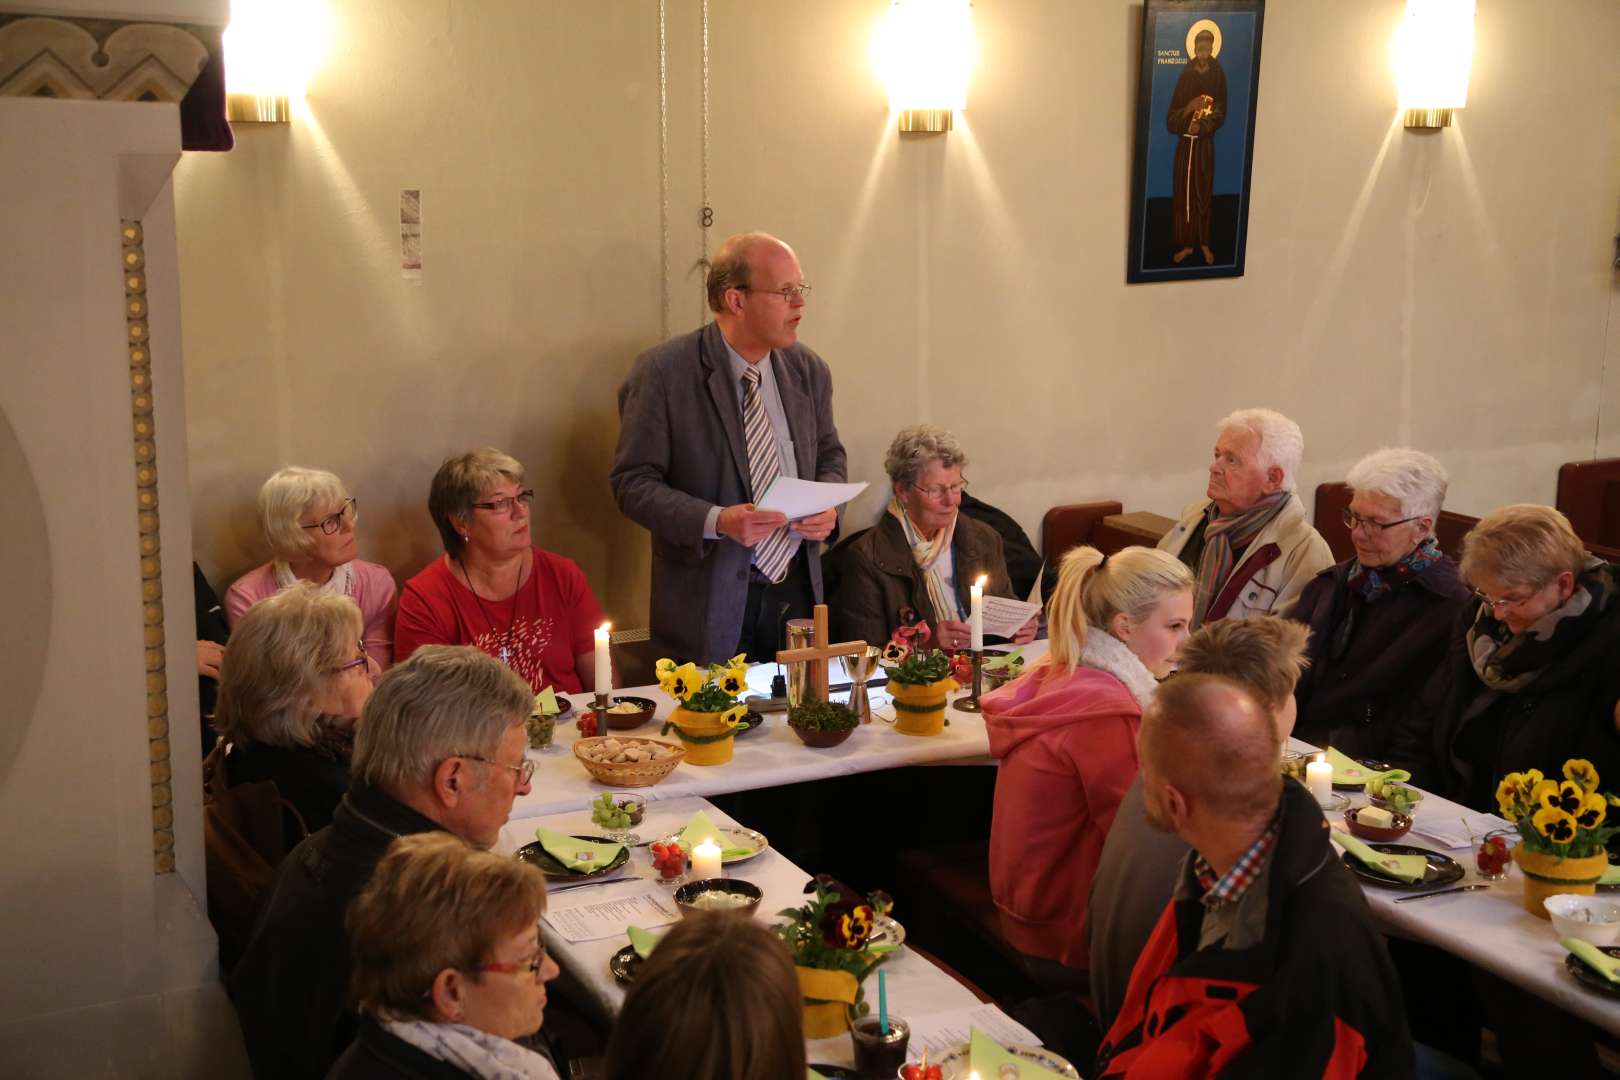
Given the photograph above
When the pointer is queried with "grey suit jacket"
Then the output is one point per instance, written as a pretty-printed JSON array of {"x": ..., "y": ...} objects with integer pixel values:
[{"x": 681, "y": 451}]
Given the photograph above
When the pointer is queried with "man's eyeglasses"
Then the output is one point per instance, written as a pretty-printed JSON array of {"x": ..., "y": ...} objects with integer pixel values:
[
  {"x": 524, "y": 771},
  {"x": 940, "y": 491},
  {"x": 505, "y": 503},
  {"x": 358, "y": 662},
  {"x": 1374, "y": 528},
  {"x": 333, "y": 522},
  {"x": 789, "y": 293}
]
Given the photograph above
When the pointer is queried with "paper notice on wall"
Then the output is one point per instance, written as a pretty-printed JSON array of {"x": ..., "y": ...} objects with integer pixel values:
[
  {"x": 1003, "y": 616},
  {"x": 410, "y": 233}
]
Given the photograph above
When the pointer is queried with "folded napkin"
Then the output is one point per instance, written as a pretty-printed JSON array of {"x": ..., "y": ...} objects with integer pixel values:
[
  {"x": 1347, "y": 770},
  {"x": 1594, "y": 958},
  {"x": 1407, "y": 868},
  {"x": 545, "y": 703},
  {"x": 577, "y": 854},
  {"x": 643, "y": 941},
  {"x": 700, "y": 828},
  {"x": 987, "y": 1058},
  {"x": 1611, "y": 876},
  {"x": 815, "y": 1075}
]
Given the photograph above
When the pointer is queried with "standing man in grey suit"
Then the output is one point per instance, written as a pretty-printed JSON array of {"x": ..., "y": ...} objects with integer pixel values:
[{"x": 706, "y": 421}]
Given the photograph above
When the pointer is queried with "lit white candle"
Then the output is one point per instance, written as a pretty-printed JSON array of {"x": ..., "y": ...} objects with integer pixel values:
[
  {"x": 706, "y": 861},
  {"x": 604, "y": 669},
  {"x": 1319, "y": 781},
  {"x": 976, "y": 614}
]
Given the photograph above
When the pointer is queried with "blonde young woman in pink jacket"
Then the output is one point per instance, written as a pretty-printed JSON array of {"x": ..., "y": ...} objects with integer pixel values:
[{"x": 1065, "y": 734}]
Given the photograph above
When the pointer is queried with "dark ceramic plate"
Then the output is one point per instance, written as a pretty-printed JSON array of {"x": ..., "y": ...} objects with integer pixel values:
[
  {"x": 536, "y": 855},
  {"x": 1443, "y": 869},
  {"x": 836, "y": 1072},
  {"x": 1360, "y": 785},
  {"x": 1589, "y": 978},
  {"x": 625, "y": 964}
]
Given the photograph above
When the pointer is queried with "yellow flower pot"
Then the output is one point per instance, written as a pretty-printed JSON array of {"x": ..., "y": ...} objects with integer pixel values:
[
  {"x": 705, "y": 726},
  {"x": 1548, "y": 875},
  {"x": 827, "y": 998},
  {"x": 920, "y": 710}
]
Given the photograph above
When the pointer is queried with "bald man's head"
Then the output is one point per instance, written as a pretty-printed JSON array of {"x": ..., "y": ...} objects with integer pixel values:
[
  {"x": 735, "y": 264},
  {"x": 1209, "y": 749}
]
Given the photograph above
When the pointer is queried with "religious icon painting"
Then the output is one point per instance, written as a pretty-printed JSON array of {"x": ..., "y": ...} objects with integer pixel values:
[{"x": 1195, "y": 110}]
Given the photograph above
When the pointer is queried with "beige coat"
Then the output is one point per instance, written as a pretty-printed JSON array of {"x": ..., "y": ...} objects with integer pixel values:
[{"x": 1274, "y": 569}]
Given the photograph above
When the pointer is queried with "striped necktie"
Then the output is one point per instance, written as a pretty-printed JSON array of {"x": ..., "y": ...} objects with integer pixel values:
[{"x": 771, "y": 554}]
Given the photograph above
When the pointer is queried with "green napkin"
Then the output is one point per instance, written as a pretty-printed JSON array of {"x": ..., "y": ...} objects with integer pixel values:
[
  {"x": 644, "y": 941},
  {"x": 987, "y": 1058},
  {"x": 545, "y": 703},
  {"x": 577, "y": 854},
  {"x": 1347, "y": 770},
  {"x": 700, "y": 828},
  {"x": 815, "y": 1075},
  {"x": 1611, "y": 876},
  {"x": 1407, "y": 868},
  {"x": 1594, "y": 958}
]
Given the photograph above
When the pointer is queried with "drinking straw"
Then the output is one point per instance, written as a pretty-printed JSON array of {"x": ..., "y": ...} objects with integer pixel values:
[{"x": 883, "y": 1003}]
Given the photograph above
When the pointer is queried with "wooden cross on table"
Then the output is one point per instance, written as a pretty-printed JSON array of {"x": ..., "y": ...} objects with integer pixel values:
[{"x": 817, "y": 654}]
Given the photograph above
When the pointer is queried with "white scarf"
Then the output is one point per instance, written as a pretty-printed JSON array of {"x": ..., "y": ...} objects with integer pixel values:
[
  {"x": 341, "y": 583},
  {"x": 1105, "y": 652},
  {"x": 476, "y": 1053}
]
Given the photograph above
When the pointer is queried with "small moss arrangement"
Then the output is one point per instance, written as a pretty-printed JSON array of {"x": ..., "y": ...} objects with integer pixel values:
[{"x": 813, "y": 715}]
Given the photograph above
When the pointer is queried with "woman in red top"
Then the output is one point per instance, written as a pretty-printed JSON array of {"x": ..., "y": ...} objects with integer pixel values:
[
  {"x": 493, "y": 588},
  {"x": 1065, "y": 734}
]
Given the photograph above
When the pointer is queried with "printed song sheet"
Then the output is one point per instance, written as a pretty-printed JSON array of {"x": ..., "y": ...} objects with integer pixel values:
[{"x": 608, "y": 918}]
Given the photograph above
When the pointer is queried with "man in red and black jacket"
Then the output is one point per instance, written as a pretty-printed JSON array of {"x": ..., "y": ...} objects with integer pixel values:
[{"x": 1266, "y": 962}]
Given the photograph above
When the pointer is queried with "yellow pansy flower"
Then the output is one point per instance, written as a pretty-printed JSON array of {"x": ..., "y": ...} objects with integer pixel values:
[
  {"x": 683, "y": 682},
  {"x": 1592, "y": 812},
  {"x": 734, "y": 715},
  {"x": 1580, "y": 771},
  {"x": 1545, "y": 795},
  {"x": 1511, "y": 793},
  {"x": 1556, "y": 825},
  {"x": 733, "y": 680},
  {"x": 1532, "y": 777}
]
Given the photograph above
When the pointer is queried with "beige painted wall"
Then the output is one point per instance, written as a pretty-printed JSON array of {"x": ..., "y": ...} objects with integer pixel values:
[{"x": 1451, "y": 290}]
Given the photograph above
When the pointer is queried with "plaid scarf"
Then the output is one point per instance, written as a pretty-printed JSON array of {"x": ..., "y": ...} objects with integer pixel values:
[
  {"x": 926, "y": 554},
  {"x": 1508, "y": 662},
  {"x": 1223, "y": 538},
  {"x": 1375, "y": 582}
]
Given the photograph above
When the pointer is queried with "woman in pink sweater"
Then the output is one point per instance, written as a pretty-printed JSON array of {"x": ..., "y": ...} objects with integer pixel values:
[
  {"x": 308, "y": 519},
  {"x": 1065, "y": 734}
]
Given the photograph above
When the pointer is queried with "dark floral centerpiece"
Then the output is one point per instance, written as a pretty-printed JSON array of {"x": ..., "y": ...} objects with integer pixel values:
[{"x": 833, "y": 949}]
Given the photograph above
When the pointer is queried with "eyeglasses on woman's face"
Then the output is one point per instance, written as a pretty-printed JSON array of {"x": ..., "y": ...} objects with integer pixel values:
[
  {"x": 530, "y": 967},
  {"x": 940, "y": 492},
  {"x": 359, "y": 661},
  {"x": 507, "y": 503},
  {"x": 1508, "y": 603},
  {"x": 1373, "y": 526},
  {"x": 331, "y": 523}
]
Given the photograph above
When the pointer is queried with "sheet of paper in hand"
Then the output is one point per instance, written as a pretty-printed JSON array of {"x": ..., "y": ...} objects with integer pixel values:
[
  {"x": 802, "y": 498},
  {"x": 1003, "y": 617}
]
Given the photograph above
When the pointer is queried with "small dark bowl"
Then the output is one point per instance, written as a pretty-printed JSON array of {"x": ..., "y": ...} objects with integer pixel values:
[
  {"x": 628, "y": 720},
  {"x": 1402, "y": 825},
  {"x": 821, "y": 739},
  {"x": 686, "y": 896}
]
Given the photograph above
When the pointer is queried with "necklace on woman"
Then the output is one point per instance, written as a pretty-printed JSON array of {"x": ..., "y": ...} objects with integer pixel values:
[{"x": 511, "y": 622}]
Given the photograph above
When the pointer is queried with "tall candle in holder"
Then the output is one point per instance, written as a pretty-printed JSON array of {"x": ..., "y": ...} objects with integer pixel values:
[
  {"x": 976, "y": 614},
  {"x": 604, "y": 668},
  {"x": 1319, "y": 781}
]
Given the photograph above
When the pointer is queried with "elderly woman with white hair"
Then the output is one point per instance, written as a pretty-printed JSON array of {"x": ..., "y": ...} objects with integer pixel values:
[
  {"x": 1379, "y": 620},
  {"x": 494, "y": 588},
  {"x": 1248, "y": 541},
  {"x": 922, "y": 556},
  {"x": 1529, "y": 678},
  {"x": 308, "y": 518}
]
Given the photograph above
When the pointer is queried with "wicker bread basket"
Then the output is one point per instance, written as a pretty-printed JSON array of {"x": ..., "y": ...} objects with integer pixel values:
[{"x": 630, "y": 774}]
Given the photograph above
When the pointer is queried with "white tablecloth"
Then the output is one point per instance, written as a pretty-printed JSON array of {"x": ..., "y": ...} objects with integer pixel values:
[
  {"x": 916, "y": 986},
  {"x": 1489, "y": 928},
  {"x": 768, "y": 756}
]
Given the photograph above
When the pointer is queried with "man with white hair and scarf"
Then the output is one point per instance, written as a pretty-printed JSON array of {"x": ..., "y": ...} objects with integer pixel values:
[{"x": 1249, "y": 542}]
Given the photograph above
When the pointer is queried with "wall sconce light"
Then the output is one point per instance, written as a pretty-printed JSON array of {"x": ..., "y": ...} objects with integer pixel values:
[
  {"x": 925, "y": 51},
  {"x": 271, "y": 49},
  {"x": 1433, "y": 52}
]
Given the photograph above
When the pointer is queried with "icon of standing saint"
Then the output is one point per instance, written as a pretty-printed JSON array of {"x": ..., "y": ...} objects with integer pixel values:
[{"x": 1197, "y": 111}]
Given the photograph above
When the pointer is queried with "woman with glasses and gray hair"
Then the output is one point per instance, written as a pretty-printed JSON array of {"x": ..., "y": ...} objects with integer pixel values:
[
  {"x": 494, "y": 588},
  {"x": 1529, "y": 679},
  {"x": 291, "y": 686},
  {"x": 308, "y": 518},
  {"x": 1380, "y": 619},
  {"x": 449, "y": 966},
  {"x": 919, "y": 560}
]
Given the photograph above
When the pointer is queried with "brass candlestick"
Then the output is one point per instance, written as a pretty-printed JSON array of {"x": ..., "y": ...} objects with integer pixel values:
[{"x": 971, "y": 702}]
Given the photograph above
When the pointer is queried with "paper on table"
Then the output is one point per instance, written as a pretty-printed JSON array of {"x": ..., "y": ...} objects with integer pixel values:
[
  {"x": 945, "y": 1031},
  {"x": 609, "y": 918},
  {"x": 1457, "y": 831},
  {"x": 801, "y": 498},
  {"x": 1003, "y": 617}
]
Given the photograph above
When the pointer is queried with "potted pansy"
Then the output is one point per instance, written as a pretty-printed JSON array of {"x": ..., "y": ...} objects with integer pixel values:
[
  {"x": 919, "y": 680},
  {"x": 831, "y": 938},
  {"x": 1562, "y": 835},
  {"x": 707, "y": 711}
]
